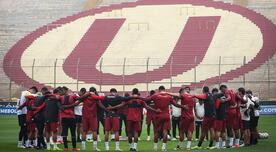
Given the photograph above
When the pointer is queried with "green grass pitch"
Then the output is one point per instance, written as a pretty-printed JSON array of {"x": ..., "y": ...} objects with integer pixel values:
[{"x": 9, "y": 134}]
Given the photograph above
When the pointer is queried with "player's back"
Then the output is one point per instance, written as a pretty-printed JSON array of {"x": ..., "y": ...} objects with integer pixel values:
[{"x": 162, "y": 102}]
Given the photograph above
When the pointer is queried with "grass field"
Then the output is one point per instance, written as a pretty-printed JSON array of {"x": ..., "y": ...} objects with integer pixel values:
[{"x": 9, "y": 134}]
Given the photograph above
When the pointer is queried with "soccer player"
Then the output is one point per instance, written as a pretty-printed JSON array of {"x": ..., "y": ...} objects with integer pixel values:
[
  {"x": 78, "y": 115},
  {"x": 209, "y": 117},
  {"x": 150, "y": 116},
  {"x": 199, "y": 114},
  {"x": 89, "y": 116},
  {"x": 220, "y": 128},
  {"x": 112, "y": 118},
  {"x": 134, "y": 117},
  {"x": 21, "y": 113},
  {"x": 187, "y": 117},
  {"x": 51, "y": 117},
  {"x": 231, "y": 116},
  {"x": 31, "y": 128},
  {"x": 246, "y": 108},
  {"x": 39, "y": 117},
  {"x": 254, "y": 118},
  {"x": 68, "y": 119},
  {"x": 162, "y": 122}
]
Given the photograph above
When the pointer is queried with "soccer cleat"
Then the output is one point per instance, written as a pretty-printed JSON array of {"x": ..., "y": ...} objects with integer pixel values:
[
  {"x": 236, "y": 146},
  {"x": 164, "y": 150},
  {"x": 21, "y": 146},
  {"x": 197, "y": 147},
  {"x": 148, "y": 138},
  {"x": 188, "y": 149},
  {"x": 174, "y": 139},
  {"x": 76, "y": 149},
  {"x": 60, "y": 142},
  {"x": 106, "y": 148},
  {"x": 66, "y": 149},
  {"x": 210, "y": 148},
  {"x": 155, "y": 149},
  {"x": 118, "y": 150},
  {"x": 229, "y": 146},
  {"x": 96, "y": 149},
  {"x": 56, "y": 148},
  {"x": 178, "y": 148},
  {"x": 89, "y": 140},
  {"x": 49, "y": 148}
]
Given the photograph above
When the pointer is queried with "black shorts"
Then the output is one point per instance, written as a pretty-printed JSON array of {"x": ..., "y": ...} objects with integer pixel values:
[
  {"x": 22, "y": 120},
  {"x": 78, "y": 118},
  {"x": 66, "y": 124},
  {"x": 246, "y": 124},
  {"x": 254, "y": 122}
]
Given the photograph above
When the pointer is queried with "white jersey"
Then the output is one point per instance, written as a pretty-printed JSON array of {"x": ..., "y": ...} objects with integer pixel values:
[
  {"x": 199, "y": 111},
  {"x": 21, "y": 101},
  {"x": 78, "y": 110},
  {"x": 242, "y": 110},
  {"x": 176, "y": 112}
]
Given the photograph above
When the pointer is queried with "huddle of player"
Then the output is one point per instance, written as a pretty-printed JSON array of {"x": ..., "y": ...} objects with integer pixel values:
[{"x": 52, "y": 114}]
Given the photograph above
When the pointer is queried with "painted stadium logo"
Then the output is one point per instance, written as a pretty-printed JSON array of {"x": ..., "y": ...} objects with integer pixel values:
[{"x": 141, "y": 32}]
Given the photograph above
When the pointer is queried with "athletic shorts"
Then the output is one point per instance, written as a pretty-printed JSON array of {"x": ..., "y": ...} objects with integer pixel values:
[
  {"x": 220, "y": 126},
  {"x": 112, "y": 123},
  {"x": 186, "y": 124},
  {"x": 246, "y": 124},
  {"x": 133, "y": 125},
  {"x": 89, "y": 123},
  {"x": 51, "y": 126},
  {"x": 230, "y": 120},
  {"x": 237, "y": 123},
  {"x": 22, "y": 120},
  {"x": 208, "y": 122},
  {"x": 31, "y": 126},
  {"x": 161, "y": 123},
  {"x": 78, "y": 118},
  {"x": 149, "y": 119},
  {"x": 66, "y": 124}
]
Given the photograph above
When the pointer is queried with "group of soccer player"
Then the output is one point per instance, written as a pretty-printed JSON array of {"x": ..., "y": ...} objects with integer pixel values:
[{"x": 50, "y": 115}]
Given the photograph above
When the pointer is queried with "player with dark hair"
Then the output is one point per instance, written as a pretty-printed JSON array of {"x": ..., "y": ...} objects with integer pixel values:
[
  {"x": 112, "y": 118},
  {"x": 187, "y": 117},
  {"x": 134, "y": 117},
  {"x": 209, "y": 117},
  {"x": 162, "y": 121},
  {"x": 52, "y": 106},
  {"x": 89, "y": 116},
  {"x": 150, "y": 115},
  {"x": 231, "y": 116},
  {"x": 220, "y": 126}
]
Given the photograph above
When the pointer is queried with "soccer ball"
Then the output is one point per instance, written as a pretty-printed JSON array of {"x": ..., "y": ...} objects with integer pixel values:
[{"x": 264, "y": 135}]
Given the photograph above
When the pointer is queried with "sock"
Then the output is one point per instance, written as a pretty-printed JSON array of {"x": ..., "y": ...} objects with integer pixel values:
[
  {"x": 55, "y": 144},
  {"x": 199, "y": 144},
  {"x": 223, "y": 144},
  {"x": 135, "y": 146},
  {"x": 34, "y": 142},
  {"x": 211, "y": 144},
  {"x": 99, "y": 137},
  {"x": 51, "y": 139},
  {"x": 155, "y": 145},
  {"x": 59, "y": 138},
  {"x": 130, "y": 145},
  {"x": 117, "y": 145},
  {"x": 163, "y": 146},
  {"x": 106, "y": 145},
  {"x": 95, "y": 144},
  {"x": 74, "y": 142},
  {"x": 231, "y": 140},
  {"x": 180, "y": 144},
  {"x": 83, "y": 145},
  {"x": 65, "y": 142},
  {"x": 28, "y": 143},
  {"x": 237, "y": 141},
  {"x": 19, "y": 143},
  {"x": 188, "y": 144},
  {"x": 48, "y": 145},
  {"x": 217, "y": 144}
]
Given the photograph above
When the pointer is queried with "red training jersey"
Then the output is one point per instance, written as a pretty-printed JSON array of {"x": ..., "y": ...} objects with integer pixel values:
[
  {"x": 188, "y": 100},
  {"x": 162, "y": 102}
]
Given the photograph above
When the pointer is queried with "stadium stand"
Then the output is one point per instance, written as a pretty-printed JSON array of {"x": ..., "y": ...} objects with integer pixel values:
[{"x": 124, "y": 54}]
